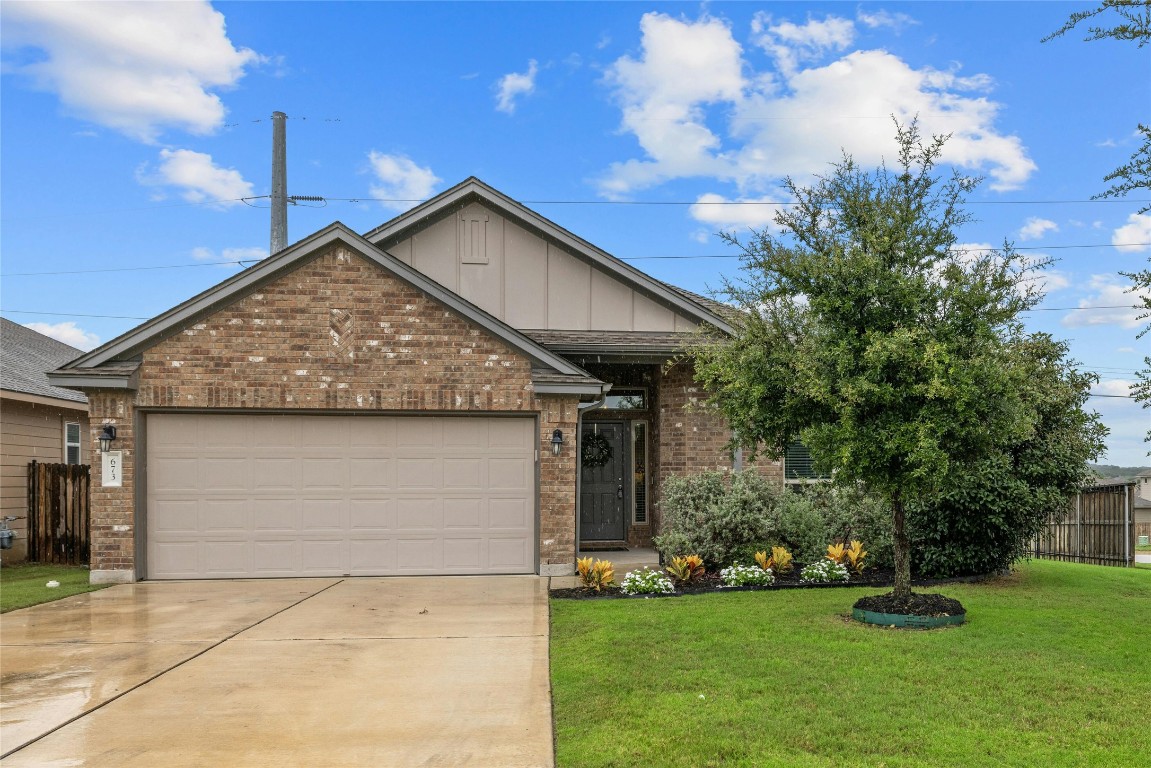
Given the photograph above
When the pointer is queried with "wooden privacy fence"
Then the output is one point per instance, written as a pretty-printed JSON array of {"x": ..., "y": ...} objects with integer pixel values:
[
  {"x": 1098, "y": 528},
  {"x": 58, "y": 515}
]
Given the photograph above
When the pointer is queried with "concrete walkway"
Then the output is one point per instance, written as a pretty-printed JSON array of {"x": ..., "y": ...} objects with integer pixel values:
[{"x": 428, "y": 671}]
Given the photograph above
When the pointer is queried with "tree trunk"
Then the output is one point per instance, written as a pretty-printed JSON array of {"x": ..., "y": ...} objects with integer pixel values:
[{"x": 902, "y": 588}]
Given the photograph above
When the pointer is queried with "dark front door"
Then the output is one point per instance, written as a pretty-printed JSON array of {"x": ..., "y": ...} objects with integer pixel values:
[{"x": 603, "y": 492}]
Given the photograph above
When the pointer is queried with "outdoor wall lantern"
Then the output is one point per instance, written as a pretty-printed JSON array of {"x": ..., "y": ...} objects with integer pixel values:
[
  {"x": 106, "y": 437},
  {"x": 557, "y": 442}
]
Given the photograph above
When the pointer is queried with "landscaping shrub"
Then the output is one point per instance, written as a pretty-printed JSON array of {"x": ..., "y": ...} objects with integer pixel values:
[
  {"x": 801, "y": 526},
  {"x": 645, "y": 581},
  {"x": 746, "y": 576},
  {"x": 597, "y": 576},
  {"x": 715, "y": 516},
  {"x": 823, "y": 572},
  {"x": 686, "y": 569}
]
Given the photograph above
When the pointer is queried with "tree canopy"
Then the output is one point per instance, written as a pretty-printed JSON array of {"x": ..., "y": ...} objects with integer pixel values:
[{"x": 865, "y": 333}]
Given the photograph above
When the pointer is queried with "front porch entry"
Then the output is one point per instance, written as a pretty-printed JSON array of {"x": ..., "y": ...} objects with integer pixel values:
[{"x": 603, "y": 493}]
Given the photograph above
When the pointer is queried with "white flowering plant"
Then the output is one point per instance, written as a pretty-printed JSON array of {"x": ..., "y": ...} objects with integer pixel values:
[
  {"x": 645, "y": 581},
  {"x": 824, "y": 572},
  {"x": 746, "y": 576}
]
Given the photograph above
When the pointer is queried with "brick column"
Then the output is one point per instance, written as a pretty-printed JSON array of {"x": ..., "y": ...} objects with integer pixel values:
[
  {"x": 113, "y": 510},
  {"x": 557, "y": 486}
]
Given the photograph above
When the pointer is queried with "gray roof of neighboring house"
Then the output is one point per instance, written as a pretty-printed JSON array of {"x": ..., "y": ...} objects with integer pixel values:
[
  {"x": 621, "y": 342},
  {"x": 26, "y": 357}
]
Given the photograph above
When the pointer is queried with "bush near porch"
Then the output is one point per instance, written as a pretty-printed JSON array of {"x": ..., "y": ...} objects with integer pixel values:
[{"x": 1049, "y": 670}]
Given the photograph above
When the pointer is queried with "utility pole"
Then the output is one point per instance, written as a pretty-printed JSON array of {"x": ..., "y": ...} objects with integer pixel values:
[{"x": 279, "y": 183}]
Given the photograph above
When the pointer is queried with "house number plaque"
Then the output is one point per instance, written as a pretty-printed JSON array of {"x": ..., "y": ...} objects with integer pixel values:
[{"x": 110, "y": 477}]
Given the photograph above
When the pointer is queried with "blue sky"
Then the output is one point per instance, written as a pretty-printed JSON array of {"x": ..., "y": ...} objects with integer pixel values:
[{"x": 130, "y": 131}]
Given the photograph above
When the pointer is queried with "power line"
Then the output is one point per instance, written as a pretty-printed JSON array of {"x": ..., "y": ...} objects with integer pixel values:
[
  {"x": 126, "y": 269},
  {"x": 704, "y": 202},
  {"x": 72, "y": 314},
  {"x": 957, "y": 250}
]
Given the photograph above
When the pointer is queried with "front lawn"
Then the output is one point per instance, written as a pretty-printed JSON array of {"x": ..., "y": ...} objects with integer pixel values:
[
  {"x": 1052, "y": 669},
  {"x": 23, "y": 584}
]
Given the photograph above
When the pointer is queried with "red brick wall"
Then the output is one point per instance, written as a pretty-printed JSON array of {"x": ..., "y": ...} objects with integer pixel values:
[
  {"x": 335, "y": 333},
  {"x": 692, "y": 440}
]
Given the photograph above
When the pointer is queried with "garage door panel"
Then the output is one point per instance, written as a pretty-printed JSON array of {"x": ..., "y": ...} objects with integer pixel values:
[
  {"x": 419, "y": 514},
  {"x": 323, "y": 474},
  {"x": 418, "y": 554},
  {"x": 275, "y": 474},
  {"x": 369, "y": 556},
  {"x": 463, "y": 554},
  {"x": 464, "y": 473},
  {"x": 276, "y": 515},
  {"x": 509, "y": 474},
  {"x": 371, "y": 473},
  {"x": 275, "y": 431},
  {"x": 509, "y": 433},
  {"x": 275, "y": 557},
  {"x": 173, "y": 474},
  {"x": 174, "y": 516},
  {"x": 226, "y": 559},
  {"x": 321, "y": 555},
  {"x": 508, "y": 514},
  {"x": 224, "y": 516},
  {"x": 224, "y": 474},
  {"x": 368, "y": 515},
  {"x": 323, "y": 515},
  {"x": 463, "y": 514},
  {"x": 510, "y": 554},
  {"x": 232, "y": 495}
]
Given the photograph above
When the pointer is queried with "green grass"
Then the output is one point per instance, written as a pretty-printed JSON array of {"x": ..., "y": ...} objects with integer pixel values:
[
  {"x": 1051, "y": 669},
  {"x": 22, "y": 584}
]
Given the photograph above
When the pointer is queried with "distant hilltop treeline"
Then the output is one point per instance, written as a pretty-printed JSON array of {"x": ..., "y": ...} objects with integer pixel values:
[{"x": 1110, "y": 471}]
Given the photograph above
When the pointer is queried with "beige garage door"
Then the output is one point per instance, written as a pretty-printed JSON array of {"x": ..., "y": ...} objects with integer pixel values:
[{"x": 234, "y": 496}]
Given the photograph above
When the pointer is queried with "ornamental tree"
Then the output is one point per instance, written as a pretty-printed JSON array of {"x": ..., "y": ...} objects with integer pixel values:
[{"x": 866, "y": 334}]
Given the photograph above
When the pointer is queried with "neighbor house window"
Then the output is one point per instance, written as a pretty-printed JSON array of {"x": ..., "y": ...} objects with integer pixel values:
[
  {"x": 72, "y": 443},
  {"x": 639, "y": 470},
  {"x": 798, "y": 466},
  {"x": 627, "y": 400}
]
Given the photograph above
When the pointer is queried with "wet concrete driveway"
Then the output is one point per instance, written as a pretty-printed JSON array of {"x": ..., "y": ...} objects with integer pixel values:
[{"x": 428, "y": 671}]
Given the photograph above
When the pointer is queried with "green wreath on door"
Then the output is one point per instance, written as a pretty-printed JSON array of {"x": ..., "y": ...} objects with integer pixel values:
[{"x": 596, "y": 450}]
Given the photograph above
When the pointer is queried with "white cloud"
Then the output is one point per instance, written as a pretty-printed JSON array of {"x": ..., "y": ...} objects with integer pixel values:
[
  {"x": 67, "y": 333},
  {"x": 1045, "y": 279},
  {"x": 1113, "y": 387},
  {"x": 699, "y": 106},
  {"x": 1129, "y": 350},
  {"x": 1035, "y": 228},
  {"x": 1116, "y": 296},
  {"x": 1135, "y": 235},
  {"x": 400, "y": 181},
  {"x": 881, "y": 18},
  {"x": 198, "y": 177},
  {"x": 229, "y": 256},
  {"x": 137, "y": 68},
  {"x": 755, "y": 213},
  {"x": 513, "y": 85}
]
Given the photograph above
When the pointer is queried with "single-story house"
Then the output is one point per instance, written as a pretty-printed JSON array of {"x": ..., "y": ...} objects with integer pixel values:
[
  {"x": 467, "y": 389},
  {"x": 38, "y": 421}
]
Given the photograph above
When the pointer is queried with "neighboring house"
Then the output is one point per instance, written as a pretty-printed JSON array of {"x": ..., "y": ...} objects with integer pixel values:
[
  {"x": 390, "y": 403},
  {"x": 38, "y": 422},
  {"x": 1143, "y": 503}
]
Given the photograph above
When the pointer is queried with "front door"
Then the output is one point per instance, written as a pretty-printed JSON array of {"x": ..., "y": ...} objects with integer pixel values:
[{"x": 602, "y": 489}]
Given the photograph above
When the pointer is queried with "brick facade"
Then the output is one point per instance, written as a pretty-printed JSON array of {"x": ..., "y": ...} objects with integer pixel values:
[{"x": 336, "y": 334}]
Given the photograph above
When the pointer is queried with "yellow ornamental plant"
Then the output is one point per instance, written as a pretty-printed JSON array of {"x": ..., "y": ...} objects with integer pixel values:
[
  {"x": 762, "y": 560},
  {"x": 855, "y": 555},
  {"x": 597, "y": 575},
  {"x": 686, "y": 569},
  {"x": 780, "y": 561},
  {"x": 836, "y": 553}
]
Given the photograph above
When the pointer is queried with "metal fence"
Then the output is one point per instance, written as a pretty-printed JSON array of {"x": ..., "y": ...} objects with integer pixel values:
[
  {"x": 1098, "y": 528},
  {"x": 58, "y": 514}
]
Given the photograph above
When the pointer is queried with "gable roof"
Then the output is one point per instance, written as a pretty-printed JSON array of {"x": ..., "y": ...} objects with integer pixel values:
[
  {"x": 112, "y": 365},
  {"x": 473, "y": 190},
  {"x": 25, "y": 359}
]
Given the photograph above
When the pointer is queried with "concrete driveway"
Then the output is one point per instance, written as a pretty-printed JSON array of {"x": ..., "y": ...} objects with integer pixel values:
[{"x": 427, "y": 671}]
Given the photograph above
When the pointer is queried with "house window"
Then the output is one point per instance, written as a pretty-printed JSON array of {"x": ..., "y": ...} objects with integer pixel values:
[
  {"x": 627, "y": 400},
  {"x": 72, "y": 443},
  {"x": 798, "y": 466},
  {"x": 639, "y": 470}
]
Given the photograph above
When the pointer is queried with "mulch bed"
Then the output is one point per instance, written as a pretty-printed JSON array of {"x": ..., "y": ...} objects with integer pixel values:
[
  {"x": 710, "y": 584},
  {"x": 918, "y": 605}
]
